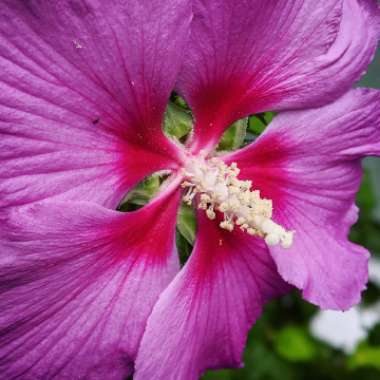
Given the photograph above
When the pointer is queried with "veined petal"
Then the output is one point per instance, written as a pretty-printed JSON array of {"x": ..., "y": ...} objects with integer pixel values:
[
  {"x": 308, "y": 163},
  {"x": 252, "y": 56},
  {"x": 77, "y": 283},
  {"x": 201, "y": 320},
  {"x": 83, "y": 89}
]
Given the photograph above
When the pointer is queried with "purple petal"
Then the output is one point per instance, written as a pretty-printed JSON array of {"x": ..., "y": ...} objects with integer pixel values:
[
  {"x": 83, "y": 89},
  {"x": 252, "y": 56},
  {"x": 201, "y": 320},
  {"x": 308, "y": 163},
  {"x": 78, "y": 285}
]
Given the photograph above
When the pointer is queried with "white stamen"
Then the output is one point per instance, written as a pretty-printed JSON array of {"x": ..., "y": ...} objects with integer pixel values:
[{"x": 219, "y": 188}]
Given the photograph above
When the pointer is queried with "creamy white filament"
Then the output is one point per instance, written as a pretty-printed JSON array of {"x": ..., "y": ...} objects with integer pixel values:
[{"x": 218, "y": 188}]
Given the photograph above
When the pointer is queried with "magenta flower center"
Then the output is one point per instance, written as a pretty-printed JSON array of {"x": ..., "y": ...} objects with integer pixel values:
[{"x": 215, "y": 186}]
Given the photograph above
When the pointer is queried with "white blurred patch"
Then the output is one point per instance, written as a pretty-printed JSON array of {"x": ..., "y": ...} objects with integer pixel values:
[
  {"x": 339, "y": 330},
  {"x": 345, "y": 330}
]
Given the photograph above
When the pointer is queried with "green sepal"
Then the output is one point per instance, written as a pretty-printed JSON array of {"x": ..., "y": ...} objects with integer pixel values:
[
  {"x": 233, "y": 138},
  {"x": 178, "y": 122},
  {"x": 257, "y": 123},
  {"x": 186, "y": 223},
  {"x": 141, "y": 194}
]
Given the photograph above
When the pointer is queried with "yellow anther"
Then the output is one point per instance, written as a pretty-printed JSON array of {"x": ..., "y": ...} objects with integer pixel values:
[
  {"x": 227, "y": 225},
  {"x": 251, "y": 231},
  {"x": 205, "y": 198},
  {"x": 240, "y": 221},
  {"x": 255, "y": 195},
  {"x": 223, "y": 207},
  {"x": 272, "y": 239},
  {"x": 287, "y": 239},
  {"x": 245, "y": 197},
  {"x": 210, "y": 213},
  {"x": 234, "y": 190},
  {"x": 246, "y": 185},
  {"x": 234, "y": 204}
]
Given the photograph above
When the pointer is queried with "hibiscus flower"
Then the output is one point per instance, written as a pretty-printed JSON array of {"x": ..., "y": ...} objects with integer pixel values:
[{"x": 88, "y": 292}]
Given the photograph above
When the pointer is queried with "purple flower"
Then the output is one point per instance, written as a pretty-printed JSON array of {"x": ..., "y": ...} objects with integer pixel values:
[{"x": 87, "y": 292}]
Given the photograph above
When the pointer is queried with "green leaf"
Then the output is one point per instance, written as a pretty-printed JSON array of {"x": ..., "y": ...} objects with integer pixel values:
[
  {"x": 233, "y": 137},
  {"x": 183, "y": 246},
  {"x": 257, "y": 123},
  {"x": 294, "y": 343},
  {"x": 141, "y": 194},
  {"x": 186, "y": 223},
  {"x": 365, "y": 356},
  {"x": 178, "y": 122},
  {"x": 179, "y": 101}
]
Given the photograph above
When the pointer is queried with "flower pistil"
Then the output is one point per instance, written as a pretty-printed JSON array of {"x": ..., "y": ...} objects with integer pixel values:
[{"x": 216, "y": 187}]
